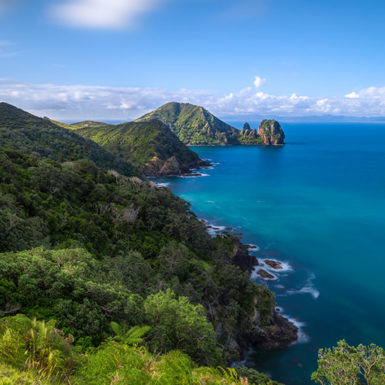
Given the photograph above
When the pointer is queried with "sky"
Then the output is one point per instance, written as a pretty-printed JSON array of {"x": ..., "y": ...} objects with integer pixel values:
[{"x": 241, "y": 59}]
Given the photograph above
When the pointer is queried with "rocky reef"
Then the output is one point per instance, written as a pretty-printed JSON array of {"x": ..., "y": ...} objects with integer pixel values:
[{"x": 269, "y": 330}]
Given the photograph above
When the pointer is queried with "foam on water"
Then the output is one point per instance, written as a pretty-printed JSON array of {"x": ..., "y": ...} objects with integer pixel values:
[
  {"x": 194, "y": 176},
  {"x": 253, "y": 247},
  {"x": 308, "y": 288},
  {"x": 303, "y": 338},
  {"x": 213, "y": 230},
  {"x": 162, "y": 184}
]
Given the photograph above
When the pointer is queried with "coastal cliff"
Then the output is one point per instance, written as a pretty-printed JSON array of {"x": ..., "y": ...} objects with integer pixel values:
[{"x": 266, "y": 329}]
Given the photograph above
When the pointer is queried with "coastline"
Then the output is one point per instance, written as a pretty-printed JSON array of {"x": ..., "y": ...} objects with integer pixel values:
[{"x": 280, "y": 331}]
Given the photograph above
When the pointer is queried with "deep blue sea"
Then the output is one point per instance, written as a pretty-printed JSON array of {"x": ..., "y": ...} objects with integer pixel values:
[{"x": 317, "y": 203}]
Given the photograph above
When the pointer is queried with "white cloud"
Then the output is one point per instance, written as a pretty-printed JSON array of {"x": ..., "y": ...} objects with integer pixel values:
[
  {"x": 78, "y": 102},
  {"x": 107, "y": 14},
  {"x": 259, "y": 82},
  {"x": 352, "y": 95}
]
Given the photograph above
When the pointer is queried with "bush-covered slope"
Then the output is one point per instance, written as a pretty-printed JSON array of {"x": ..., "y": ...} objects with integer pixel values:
[
  {"x": 149, "y": 145},
  {"x": 36, "y": 352},
  {"x": 145, "y": 239},
  {"x": 28, "y": 133}
]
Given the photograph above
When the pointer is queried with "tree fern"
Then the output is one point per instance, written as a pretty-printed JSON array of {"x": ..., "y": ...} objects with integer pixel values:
[{"x": 133, "y": 336}]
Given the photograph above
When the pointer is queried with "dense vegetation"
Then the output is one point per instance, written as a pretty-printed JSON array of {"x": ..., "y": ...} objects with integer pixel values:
[
  {"x": 35, "y": 352},
  {"x": 27, "y": 133},
  {"x": 149, "y": 145},
  {"x": 127, "y": 240}
]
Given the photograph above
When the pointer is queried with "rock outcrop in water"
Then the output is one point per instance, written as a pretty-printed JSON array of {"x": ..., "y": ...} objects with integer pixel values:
[
  {"x": 278, "y": 334},
  {"x": 271, "y": 133},
  {"x": 275, "y": 332},
  {"x": 243, "y": 259}
]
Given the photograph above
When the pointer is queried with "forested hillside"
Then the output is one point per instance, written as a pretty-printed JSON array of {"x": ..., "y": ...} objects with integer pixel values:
[
  {"x": 86, "y": 247},
  {"x": 27, "y": 133}
]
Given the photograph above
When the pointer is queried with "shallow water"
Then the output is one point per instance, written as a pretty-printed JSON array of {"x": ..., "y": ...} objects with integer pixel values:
[{"x": 317, "y": 203}]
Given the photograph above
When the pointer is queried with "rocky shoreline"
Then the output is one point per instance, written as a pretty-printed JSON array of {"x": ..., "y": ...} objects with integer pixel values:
[
  {"x": 172, "y": 167},
  {"x": 278, "y": 332}
]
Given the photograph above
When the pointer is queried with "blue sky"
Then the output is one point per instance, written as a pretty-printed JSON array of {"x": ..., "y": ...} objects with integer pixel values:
[{"x": 116, "y": 59}]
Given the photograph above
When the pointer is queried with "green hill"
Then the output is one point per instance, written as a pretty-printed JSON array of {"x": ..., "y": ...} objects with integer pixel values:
[
  {"x": 194, "y": 125},
  {"x": 149, "y": 145},
  {"x": 27, "y": 133}
]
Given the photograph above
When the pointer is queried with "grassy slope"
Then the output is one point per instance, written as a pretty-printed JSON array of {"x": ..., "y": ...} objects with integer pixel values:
[{"x": 27, "y": 133}]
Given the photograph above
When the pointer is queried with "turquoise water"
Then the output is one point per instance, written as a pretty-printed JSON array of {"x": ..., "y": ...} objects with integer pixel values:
[{"x": 317, "y": 203}]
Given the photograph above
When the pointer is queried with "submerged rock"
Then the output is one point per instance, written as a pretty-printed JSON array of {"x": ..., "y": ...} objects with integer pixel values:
[
  {"x": 265, "y": 274},
  {"x": 276, "y": 265}
]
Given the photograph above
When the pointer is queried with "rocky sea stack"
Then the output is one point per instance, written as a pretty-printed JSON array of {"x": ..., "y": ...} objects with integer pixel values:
[{"x": 271, "y": 133}]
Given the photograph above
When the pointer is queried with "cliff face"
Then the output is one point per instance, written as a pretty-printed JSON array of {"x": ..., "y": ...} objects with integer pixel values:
[
  {"x": 265, "y": 329},
  {"x": 270, "y": 132}
]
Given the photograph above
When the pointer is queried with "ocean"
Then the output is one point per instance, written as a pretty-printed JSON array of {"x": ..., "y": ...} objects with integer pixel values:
[{"x": 318, "y": 204}]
